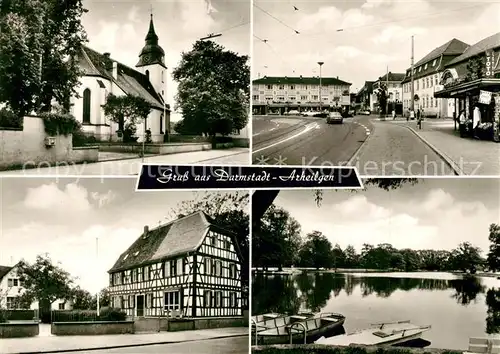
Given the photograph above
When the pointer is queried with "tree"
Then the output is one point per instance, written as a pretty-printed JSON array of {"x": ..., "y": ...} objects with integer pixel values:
[
  {"x": 213, "y": 92},
  {"x": 127, "y": 111},
  {"x": 493, "y": 259},
  {"x": 82, "y": 299},
  {"x": 39, "y": 39},
  {"x": 229, "y": 211},
  {"x": 104, "y": 300},
  {"x": 276, "y": 240},
  {"x": 182, "y": 127},
  {"x": 382, "y": 97},
  {"x": 474, "y": 69},
  {"x": 351, "y": 257},
  {"x": 316, "y": 251},
  {"x": 466, "y": 258},
  {"x": 44, "y": 282}
]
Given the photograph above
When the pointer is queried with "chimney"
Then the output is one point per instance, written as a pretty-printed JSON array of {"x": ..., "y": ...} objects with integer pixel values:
[
  {"x": 146, "y": 230},
  {"x": 115, "y": 70},
  {"x": 106, "y": 55}
]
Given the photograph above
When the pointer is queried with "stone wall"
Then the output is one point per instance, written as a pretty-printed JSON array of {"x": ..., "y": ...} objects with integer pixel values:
[
  {"x": 157, "y": 149},
  {"x": 26, "y": 147},
  {"x": 19, "y": 330},
  {"x": 92, "y": 328}
]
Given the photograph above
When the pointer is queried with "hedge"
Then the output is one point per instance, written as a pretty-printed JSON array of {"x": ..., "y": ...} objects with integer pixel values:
[
  {"x": 9, "y": 119},
  {"x": 105, "y": 314}
]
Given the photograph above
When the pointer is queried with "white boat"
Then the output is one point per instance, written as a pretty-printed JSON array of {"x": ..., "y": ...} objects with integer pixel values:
[
  {"x": 379, "y": 334},
  {"x": 274, "y": 320}
]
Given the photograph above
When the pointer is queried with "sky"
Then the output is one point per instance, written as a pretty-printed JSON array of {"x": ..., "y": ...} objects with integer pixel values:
[
  {"x": 120, "y": 27},
  {"x": 64, "y": 217},
  {"x": 376, "y": 34},
  {"x": 433, "y": 214}
]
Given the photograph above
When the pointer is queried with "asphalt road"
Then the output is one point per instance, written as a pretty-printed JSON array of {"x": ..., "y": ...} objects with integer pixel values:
[
  {"x": 295, "y": 140},
  {"x": 236, "y": 345},
  {"x": 376, "y": 148}
]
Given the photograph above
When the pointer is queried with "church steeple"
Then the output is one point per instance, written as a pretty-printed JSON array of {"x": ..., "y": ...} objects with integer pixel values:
[{"x": 152, "y": 52}]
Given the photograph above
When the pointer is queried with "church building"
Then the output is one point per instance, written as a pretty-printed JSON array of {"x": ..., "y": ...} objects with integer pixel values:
[
  {"x": 188, "y": 268},
  {"x": 103, "y": 75}
]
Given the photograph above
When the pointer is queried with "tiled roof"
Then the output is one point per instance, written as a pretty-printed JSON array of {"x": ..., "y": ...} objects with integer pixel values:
[
  {"x": 392, "y": 77},
  {"x": 4, "y": 270},
  {"x": 443, "y": 55},
  {"x": 453, "y": 47},
  {"x": 300, "y": 80},
  {"x": 131, "y": 81},
  {"x": 175, "y": 238},
  {"x": 490, "y": 42}
]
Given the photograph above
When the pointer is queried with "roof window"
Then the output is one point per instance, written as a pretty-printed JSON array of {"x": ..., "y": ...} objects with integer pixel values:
[{"x": 126, "y": 256}]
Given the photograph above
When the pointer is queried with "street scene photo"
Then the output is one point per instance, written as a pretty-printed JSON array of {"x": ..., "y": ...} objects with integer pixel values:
[
  {"x": 100, "y": 87},
  {"x": 393, "y": 87},
  {"x": 93, "y": 266},
  {"x": 410, "y": 263}
]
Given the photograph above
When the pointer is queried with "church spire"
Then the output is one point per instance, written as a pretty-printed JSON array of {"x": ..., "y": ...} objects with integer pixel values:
[{"x": 152, "y": 52}]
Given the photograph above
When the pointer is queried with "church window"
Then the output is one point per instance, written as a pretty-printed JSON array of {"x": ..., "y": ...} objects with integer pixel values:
[
  {"x": 86, "y": 106},
  {"x": 147, "y": 73}
]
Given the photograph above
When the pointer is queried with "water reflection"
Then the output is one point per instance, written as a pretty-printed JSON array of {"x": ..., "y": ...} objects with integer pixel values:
[{"x": 312, "y": 291}]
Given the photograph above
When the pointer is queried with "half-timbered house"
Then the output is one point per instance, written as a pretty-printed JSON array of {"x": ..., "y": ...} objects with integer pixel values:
[{"x": 187, "y": 268}]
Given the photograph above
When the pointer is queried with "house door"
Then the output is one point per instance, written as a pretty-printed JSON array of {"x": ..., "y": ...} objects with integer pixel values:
[{"x": 140, "y": 305}]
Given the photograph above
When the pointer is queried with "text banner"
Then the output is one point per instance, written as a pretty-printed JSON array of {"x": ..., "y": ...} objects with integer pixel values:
[{"x": 159, "y": 177}]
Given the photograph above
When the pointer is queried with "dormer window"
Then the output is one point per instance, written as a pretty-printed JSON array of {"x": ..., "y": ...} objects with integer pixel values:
[
  {"x": 434, "y": 62},
  {"x": 125, "y": 257},
  {"x": 425, "y": 67},
  {"x": 136, "y": 253}
]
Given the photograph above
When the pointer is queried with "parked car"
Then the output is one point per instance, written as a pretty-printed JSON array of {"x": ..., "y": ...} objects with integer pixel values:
[
  {"x": 293, "y": 112},
  {"x": 334, "y": 117},
  {"x": 365, "y": 112}
]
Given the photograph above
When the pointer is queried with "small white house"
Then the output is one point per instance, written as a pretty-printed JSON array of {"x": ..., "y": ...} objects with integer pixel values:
[{"x": 11, "y": 288}]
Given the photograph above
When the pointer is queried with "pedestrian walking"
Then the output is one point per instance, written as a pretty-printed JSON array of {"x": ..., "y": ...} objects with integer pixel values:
[
  {"x": 412, "y": 114},
  {"x": 419, "y": 119},
  {"x": 462, "y": 124},
  {"x": 393, "y": 114}
]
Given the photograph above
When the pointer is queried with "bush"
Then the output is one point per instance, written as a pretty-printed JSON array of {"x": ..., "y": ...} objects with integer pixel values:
[
  {"x": 105, "y": 314},
  {"x": 60, "y": 123},
  {"x": 9, "y": 119},
  {"x": 4, "y": 314}
]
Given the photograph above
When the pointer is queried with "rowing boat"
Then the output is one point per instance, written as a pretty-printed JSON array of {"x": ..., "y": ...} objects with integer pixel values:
[
  {"x": 379, "y": 334},
  {"x": 302, "y": 330},
  {"x": 273, "y": 320}
]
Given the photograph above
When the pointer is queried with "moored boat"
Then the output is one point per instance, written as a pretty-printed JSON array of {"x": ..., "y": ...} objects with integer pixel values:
[
  {"x": 302, "y": 330},
  {"x": 273, "y": 320},
  {"x": 379, "y": 334}
]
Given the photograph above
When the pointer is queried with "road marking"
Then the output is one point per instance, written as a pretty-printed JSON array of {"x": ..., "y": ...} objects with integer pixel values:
[{"x": 306, "y": 129}]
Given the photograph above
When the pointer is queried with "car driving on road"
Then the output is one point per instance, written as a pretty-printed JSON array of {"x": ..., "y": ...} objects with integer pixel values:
[{"x": 334, "y": 117}]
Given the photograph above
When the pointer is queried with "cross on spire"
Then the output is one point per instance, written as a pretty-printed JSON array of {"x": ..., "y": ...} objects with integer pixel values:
[{"x": 151, "y": 10}]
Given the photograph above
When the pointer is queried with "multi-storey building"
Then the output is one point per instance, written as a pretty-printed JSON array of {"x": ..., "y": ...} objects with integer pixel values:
[
  {"x": 11, "y": 288},
  {"x": 277, "y": 95},
  {"x": 187, "y": 268},
  {"x": 365, "y": 96},
  {"x": 472, "y": 80},
  {"x": 394, "y": 89},
  {"x": 426, "y": 81}
]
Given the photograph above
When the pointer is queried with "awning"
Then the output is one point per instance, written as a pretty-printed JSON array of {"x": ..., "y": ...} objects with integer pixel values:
[{"x": 461, "y": 89}]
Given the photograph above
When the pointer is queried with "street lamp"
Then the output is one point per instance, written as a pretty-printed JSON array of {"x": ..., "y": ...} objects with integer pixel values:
[
  {"x": 320, "y": 63},
  {"x": 97, "y": 259}
]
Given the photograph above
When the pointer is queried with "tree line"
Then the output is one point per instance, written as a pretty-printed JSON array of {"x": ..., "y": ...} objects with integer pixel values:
[{"x": 278, "y": 242}]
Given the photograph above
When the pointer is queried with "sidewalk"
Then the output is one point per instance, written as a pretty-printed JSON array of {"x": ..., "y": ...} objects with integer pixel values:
[
  {"x": 468, "y": 156},
  {"x": 54, "y": 344},
  {"x": 127, "y": 167}
]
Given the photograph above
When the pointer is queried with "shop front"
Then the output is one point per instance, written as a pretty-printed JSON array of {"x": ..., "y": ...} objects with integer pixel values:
[{"x": 479, "y": 100}]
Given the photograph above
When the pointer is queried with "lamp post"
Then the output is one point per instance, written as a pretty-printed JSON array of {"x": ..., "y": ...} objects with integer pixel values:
[
  {"x": 97, "y": 261},
  {"x": 320, "y": 63}
]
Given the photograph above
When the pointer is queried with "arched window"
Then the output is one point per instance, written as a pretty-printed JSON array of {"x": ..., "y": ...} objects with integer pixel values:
[
  {"x": 86, "y": 106},
  {"x": 147, "y": 73},
  {"x": 162, "y": 76}
]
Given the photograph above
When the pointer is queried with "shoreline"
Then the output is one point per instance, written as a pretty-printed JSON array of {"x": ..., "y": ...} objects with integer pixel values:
[
  {"x": 292, "y": 271},
  {"x": 323, "y": 349}
]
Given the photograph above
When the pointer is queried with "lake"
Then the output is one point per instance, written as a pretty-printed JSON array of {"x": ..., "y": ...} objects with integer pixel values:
[{"x": 457, "y": 308}]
